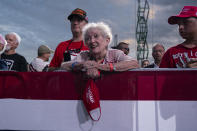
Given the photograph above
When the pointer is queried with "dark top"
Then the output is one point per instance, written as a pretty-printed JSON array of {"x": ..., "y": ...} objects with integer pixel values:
[
  {"x": 3, "y": 65},
  {"x": 15, "y": 62},
  {"x": 150, "y": 66}
]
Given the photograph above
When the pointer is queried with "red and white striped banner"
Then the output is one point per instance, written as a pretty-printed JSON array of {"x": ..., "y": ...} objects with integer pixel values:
[{"x": 133, "y": 100}]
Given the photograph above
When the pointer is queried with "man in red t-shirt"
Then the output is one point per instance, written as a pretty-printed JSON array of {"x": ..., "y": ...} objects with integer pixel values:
[
  {"x": 67, "y": 50},
  {"x": 183, "y": 55}
]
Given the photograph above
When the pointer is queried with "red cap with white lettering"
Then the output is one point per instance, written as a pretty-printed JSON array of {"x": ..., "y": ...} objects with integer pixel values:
[{"x": 187, "y": 11}]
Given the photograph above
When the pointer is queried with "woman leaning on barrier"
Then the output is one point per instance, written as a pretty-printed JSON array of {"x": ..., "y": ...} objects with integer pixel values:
[{"x": 98, "y": 36}]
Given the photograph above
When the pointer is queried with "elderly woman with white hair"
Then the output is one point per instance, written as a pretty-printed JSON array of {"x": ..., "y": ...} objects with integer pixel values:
[{"x": 97, "y": 37}]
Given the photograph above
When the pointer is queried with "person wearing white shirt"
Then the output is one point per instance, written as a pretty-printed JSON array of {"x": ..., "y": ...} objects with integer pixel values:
[{"x": 42, "y": 61}]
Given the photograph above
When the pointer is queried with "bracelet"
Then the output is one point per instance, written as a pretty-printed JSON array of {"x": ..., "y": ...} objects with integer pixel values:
[
  {"x": 111, "y": 67},
  {"x": 73, "y": 65},
  {"x": 114, "y": 68},
  {"x": 99, "y": 74}
]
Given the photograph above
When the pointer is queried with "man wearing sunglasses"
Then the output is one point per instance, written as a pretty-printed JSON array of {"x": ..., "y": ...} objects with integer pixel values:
[
  {"x": 69, "y": 49},
  {"x": 123, "y": 47}
]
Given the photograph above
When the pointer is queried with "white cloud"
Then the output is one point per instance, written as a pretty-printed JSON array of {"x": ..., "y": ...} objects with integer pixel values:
[
  {"x": 151, "y": 13},
  {"x": 5, "y": 27},
  {"x": 156, "y": 9},
  {"x": 26, "y": 48},
  {"x": 121, "y": 2},
  {"x": 23, "y": 32},
  {"x": 109, "y": 22},
  {"x": 130, "y": 41}
]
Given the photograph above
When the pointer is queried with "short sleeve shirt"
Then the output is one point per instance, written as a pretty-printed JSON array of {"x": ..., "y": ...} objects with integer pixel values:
[
  {"x": 176, "y": 56},
  {"x": 37, "y": 65},
  {"x": 15, "y": 62},
  {"x": 58, "y": 57},
  {"x": 112, "y": 56}
]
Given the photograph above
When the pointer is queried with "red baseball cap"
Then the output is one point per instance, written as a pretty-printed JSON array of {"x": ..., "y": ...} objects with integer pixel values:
[
  {"x": 80, "y": 13},
  {"x": 187, "y": 11}
]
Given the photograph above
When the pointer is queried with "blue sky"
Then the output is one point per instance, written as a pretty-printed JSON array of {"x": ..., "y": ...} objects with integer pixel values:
[{"x": 44, "y": 21}]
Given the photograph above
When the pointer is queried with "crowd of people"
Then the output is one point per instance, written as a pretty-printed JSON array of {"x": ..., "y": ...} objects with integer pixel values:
[{"x": 89, "y": 48}]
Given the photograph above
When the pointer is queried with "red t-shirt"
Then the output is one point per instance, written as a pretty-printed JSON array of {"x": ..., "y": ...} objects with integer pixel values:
[
  {"x": 62, "y": 47},
  {"x": 176, "y": 56}
]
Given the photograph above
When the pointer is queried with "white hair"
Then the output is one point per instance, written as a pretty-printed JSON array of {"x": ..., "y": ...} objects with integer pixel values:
[
  {"x": 18, "y": 38},
  {"x": 104, "y": 28}
]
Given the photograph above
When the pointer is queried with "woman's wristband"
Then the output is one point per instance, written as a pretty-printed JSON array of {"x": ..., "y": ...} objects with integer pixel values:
[
  {"x": 99, "y": 74},
  {"x": 114, "y": 68},
  {"x": 73, "y": 65},
  {"x": 111, "y": 67}
]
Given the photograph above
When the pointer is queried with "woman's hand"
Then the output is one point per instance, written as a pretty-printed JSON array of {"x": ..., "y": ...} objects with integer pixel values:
[
  {"x": 92, "y": 73},
  {"x": 77, "y": 66},
  {"x": 90, "y": 64}
]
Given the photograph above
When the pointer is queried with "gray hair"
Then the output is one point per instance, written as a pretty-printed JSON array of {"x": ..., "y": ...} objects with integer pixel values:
[
  {"x": 104, "y": 28},
  {"x": 18, "y": 38},
  {"x": 158, "y": 44}
]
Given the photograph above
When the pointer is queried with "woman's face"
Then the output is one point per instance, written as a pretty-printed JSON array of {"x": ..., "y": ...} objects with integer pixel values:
[{"x": 96, "y": 41}]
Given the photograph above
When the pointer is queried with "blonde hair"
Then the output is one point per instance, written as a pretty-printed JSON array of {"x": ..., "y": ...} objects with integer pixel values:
[{"x": 104, "y": 28}]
